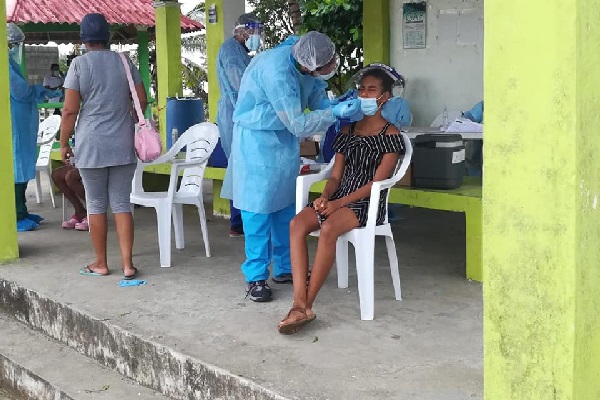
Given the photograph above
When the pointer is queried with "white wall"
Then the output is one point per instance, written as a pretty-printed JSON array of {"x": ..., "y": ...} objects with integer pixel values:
[{"x": 449, "y": 71}]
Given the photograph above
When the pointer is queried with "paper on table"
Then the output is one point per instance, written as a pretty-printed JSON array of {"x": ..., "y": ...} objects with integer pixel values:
[{"x": 464, "y": 125}]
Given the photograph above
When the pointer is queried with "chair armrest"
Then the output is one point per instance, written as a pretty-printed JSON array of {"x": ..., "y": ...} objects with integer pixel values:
[{"x": 304, "y": 182}]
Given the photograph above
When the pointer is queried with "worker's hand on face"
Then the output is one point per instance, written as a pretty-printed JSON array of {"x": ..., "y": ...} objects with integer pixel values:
[
  {"x": 349, "y": 109},
  {"x": 66, "y": 154},
  {"x": 331, "y": 207},
  {"x": 350, "y": 94}
]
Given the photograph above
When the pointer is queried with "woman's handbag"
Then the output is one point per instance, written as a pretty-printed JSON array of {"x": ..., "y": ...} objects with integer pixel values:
[{"x": 148, "y": 145}]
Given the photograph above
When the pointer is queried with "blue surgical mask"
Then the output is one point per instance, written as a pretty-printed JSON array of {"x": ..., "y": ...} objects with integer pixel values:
[
  {"x": 253, "y": 42},
  {"x": 327, "y": 76},
  {"x": 368, "y": 105}
]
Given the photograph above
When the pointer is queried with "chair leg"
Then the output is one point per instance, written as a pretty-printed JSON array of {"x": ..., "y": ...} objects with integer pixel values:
[
  {"x": 64, "y": 207},
  {"x": 202, "y": 215},
  {"x": 341, "y": 262},
  {"x": 178, "y": 226},
  {"x": 366, "y": 278},
  {"x": 49, "y": 172},
  {"x": 38, "y": 188},
  {"x": 163, "y": 215},
  {"x": 393, "y": 257}
]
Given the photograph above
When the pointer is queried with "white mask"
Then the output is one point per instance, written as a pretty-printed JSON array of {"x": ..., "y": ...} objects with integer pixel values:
[{"x": 327, "y": 76}]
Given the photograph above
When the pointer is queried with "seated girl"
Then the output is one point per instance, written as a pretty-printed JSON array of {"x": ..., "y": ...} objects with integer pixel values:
[{"x": 366, "y": 151}]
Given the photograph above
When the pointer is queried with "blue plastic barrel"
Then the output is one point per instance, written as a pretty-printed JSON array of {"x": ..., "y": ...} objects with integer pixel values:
[{"x": 182, "y": 113}]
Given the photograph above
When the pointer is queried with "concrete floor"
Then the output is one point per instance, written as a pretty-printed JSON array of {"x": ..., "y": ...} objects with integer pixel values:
[{"x": 429, "y": 346}]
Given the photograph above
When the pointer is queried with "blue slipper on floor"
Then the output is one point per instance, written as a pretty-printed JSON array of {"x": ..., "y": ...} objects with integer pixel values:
[
  {"x": 26, "y": 225},
  {"x": 35, "y": 218},
  {"x": 89, "y": 272}
]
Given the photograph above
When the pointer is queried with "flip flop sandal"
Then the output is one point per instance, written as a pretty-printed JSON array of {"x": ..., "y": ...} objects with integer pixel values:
[
  {"x": 129, "y": 277},
  {"x": 90, "y": 272},
  {"x": 294, "y": 326}
]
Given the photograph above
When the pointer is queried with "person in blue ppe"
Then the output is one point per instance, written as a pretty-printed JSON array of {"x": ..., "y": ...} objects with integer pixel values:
[
  {"x": 270, "y": 118},
  {"x": 474, "y": 159},
  {"x": 25, "y": 121},
  {"x": 232, "y": 61}
]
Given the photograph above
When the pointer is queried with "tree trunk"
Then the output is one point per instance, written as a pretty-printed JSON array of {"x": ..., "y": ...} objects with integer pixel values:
[{"x": 295, "y": 14}]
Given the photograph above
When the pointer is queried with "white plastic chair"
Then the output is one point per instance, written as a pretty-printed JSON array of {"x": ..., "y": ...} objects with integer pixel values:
[
  {"x": 46, "y": 135},
  {"x": 363, "y": 239},
  {"x": 200, "y": 141}
]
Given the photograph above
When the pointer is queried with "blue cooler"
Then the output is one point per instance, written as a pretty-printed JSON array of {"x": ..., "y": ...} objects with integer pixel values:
[
  {"x": 182, "y": 113},
  {"x": 218, "y": 158}
]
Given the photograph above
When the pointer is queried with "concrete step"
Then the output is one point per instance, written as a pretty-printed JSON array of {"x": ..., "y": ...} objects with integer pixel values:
[
  {"x": 150, "y": 364},
  {"x": 36, "y": 367}
]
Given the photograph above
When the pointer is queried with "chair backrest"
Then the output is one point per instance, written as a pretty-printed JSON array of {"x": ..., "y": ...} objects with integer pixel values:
[
  {"x": 200, "y": 141},
  {"x": 401, "y": 168},
  {"x": 43, "y": 158},
  {"x": 439, "y": 120},
  {"x": 48, "y": 129}
]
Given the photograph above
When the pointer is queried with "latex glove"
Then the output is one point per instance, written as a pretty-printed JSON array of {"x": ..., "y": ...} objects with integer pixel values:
[
  {"x": 349, "y": 95},
  {"x": 347, "y": 109},
  {"x": 397, "y": 111}
]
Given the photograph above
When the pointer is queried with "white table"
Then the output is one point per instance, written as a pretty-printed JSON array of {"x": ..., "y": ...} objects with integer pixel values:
[{"x": 415, "y": 131}]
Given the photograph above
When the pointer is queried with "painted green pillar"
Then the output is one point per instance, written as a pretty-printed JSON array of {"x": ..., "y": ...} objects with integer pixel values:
[
  {"x": 376, "y": 31},
  {"x": 144, "y": 59},
  {"x": 541, "y": 217},
  {"x": 168, "y": 57},
  {"x": 9, "y": 248},
  {"x": 214, "y": 40}
]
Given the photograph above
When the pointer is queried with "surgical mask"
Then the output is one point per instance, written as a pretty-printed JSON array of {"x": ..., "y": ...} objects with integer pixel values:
[
  {"x": 253, "y": 42},
  {"x": 55, "y": 73},
  {"x": 368, "y": 105},
  {"x": 327, "y": 76}
]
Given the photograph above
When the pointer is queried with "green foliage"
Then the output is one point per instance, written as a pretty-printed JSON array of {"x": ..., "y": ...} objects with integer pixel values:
[{"x": 341, "y": 20}]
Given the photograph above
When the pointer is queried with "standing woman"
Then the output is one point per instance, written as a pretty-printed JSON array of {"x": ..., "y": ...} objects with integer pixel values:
[{"x": 97, "y": 91}]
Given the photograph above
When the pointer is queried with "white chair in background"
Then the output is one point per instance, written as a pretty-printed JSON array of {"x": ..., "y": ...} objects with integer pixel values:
[
  {"x": 200, "y": 141},
  {"x": 363, "y": 239},
  {"x": 46, "y": 136}
]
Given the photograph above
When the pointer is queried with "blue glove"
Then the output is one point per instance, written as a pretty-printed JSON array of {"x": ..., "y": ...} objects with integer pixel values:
[
  {"x": 347, "y": 109},
  {"x": 397, "y": 111},
  {"x": 349, "y": 95}
]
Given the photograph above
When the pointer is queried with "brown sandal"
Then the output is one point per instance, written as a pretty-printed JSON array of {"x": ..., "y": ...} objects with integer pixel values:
[{"x": 294, "y": 326}]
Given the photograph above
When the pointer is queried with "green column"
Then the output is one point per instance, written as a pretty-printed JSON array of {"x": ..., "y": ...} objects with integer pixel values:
[
  {"x": 168, "y": 56},
  {"x": 376, "y": 31},
  {"x": 214, "y": 40},
  {"x": 541, "y": 217},
  {"x": 9, "y": 248},
  {"x": 144, "y": 59}
]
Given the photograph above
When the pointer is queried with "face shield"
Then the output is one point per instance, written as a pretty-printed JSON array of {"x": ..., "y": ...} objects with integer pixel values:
[
  {"x": 328, "y": 70},
  {"x": 398, "y": 85},
  {"x": 15, "y": 51},
  {"x": 252, "y": 34}
]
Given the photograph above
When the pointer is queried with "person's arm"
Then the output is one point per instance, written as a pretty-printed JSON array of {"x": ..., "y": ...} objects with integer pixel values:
[
  {"x": 67, "y": 127},
  {"x": 234, "y": 68}
]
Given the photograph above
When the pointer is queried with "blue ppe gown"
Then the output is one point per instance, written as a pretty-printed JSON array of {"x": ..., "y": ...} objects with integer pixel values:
[
  {"x": 269, "y": 120},
  {"x": 25, "y": 122},
  {"x": 232, "y": 61}
]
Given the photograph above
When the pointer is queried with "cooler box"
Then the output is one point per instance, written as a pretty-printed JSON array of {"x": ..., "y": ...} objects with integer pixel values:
[
  {"x": 182, "y": 113},
  {"x": 218, "y": 158},
  {"x": 438, "y": 161}
]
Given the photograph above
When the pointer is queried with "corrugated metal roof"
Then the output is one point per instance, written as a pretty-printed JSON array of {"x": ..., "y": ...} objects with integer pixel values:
[{"x": 122, "y": 12}]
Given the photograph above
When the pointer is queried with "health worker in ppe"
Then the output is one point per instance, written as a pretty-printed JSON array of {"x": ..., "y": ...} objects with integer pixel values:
[
  {"x": 25, "y": 121},
  {"x": 277, "y": 88},
  {"x": 232, "y": 61}
]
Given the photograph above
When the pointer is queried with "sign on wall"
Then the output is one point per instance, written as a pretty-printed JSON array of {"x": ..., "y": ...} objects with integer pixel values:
[{"x": 414, "y": 24}]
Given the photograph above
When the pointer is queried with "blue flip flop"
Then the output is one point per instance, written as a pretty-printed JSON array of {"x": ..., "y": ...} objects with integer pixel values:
[{"x": 89, "y": 272}]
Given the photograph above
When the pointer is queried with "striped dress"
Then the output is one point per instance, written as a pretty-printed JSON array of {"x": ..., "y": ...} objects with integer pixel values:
[{"x": 363, "y": 155}]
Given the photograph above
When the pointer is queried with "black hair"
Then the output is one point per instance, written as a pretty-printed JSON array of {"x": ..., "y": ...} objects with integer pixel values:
[
  {"x": 54, "y": 65},
  {"x": 386, "y": 81},
  {"x": 99, "y": 43}
]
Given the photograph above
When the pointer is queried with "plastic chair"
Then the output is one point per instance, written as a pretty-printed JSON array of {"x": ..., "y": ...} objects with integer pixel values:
[
  {"x": 363, "y": 239},
  {"x": 46, "y": 135},
  {"x": 200, "y": 141}
]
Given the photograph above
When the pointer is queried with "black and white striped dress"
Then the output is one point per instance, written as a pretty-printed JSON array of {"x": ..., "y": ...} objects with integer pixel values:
[{"x": 363, "y": 155}]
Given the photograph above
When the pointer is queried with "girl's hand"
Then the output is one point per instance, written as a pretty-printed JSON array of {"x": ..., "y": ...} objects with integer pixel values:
[
  {"x": 320, "y": 204},
  {"x": 331, "y": 207},
  {"x": 66, "y": 154}
]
